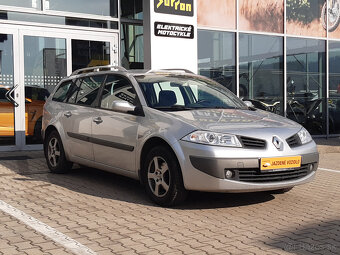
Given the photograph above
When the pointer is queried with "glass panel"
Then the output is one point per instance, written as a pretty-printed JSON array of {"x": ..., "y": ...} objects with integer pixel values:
[
  {"x": 261, "y": 71},
  {"x": 59, "y": 20},
  {"x": 7, "y": 134},
  {"x": 98, "y": 7},
  {"x": 334, "y": 88},
  {"x": 261, "y": 15},
  {"x": 131, "y": 9},
  {"x": 45, "y": 66},
  {"x": 216, "y": 57},
  {"x": 117, "y": 89},
  {"x": 306, "y": 84},
  {"x": 132, "y": 46},
  {"x": 36, "y": 4},
  {"x": 89, "y": 53},
  {"x": 304, "y": 18},
  {"x": 217, "y": 13},
  {"x": 333, "y": 18}
]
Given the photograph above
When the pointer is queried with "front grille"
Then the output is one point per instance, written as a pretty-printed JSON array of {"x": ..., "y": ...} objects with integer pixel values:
[
  {"x": 255, "y": 175},
  {"x": 253, "y": 143},
  {"x": 293, "y": 141}
]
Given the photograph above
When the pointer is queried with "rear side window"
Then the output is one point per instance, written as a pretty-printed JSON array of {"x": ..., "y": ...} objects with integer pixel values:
[
  {"x": 89, "y": 89},
  {"x": 61, "y": 94}
]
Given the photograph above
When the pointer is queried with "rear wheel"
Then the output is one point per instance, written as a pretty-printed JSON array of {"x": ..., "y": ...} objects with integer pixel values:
[
  {"x": 162, "y": 178},
  {"x": 55, "y": 154}
]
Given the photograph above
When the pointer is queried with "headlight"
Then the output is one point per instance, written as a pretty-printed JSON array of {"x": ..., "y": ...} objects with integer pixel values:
[
  {"x": 211, "y": 138},
  {"x": 304, "y": 136}
]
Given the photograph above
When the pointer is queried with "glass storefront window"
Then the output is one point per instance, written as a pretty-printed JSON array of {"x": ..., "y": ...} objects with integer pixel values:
[
  {"x": 305, "y": 17},
  {"x": 261, "y": 71},
  {"x": 216, "y": 57},
  {"x": 306, "y": 90},
  {"x": 132, "y": 46},
  {"x": 334, "y": 88},
  {"x": 35, "y": 4},
  {"x": 217, "y": 13},
  {"x": 98, "y": 7},
  {"x": 44, "y": 67},
  {"x": 261, "y": 15},
  {"x": 131, "y": 9}
]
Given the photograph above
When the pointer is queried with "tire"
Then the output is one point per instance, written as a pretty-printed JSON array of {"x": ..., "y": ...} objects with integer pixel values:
[
  {"x": 282, "y": 191},
  {"x": 163, "y": 183},
  {"x": 55, "y": 154},
  {"x": 333, "y": 26}
]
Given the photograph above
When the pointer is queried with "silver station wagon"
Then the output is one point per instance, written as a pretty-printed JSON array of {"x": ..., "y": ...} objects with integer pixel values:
[{"x": 174, "y": 131}]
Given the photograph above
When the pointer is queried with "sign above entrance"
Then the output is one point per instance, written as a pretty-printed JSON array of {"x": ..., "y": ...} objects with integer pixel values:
[
  {"x": 174, "y": 30},
  {"x": 175, "y": 7}
]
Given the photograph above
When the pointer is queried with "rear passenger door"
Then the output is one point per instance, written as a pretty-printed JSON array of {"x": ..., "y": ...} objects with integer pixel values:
[
  {"x": 115, "y": 133},
  {"x": 80, "y": 112}
]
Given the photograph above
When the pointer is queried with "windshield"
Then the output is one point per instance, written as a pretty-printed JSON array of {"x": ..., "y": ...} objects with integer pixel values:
[{"x": 180, "y": 92}]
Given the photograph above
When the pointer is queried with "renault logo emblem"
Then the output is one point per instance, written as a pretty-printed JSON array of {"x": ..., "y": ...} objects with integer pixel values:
[{"x": 277, "y": 143}]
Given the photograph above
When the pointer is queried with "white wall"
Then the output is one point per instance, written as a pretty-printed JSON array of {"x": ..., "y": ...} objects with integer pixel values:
[{"x": 166, "y": 52}]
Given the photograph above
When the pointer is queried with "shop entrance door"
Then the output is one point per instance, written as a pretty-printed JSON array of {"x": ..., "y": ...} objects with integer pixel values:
[{"x": 41, "y": 58}]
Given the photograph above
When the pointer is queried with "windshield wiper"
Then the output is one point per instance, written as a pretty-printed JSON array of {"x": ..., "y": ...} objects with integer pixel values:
[{"x": 173, "y": 108}]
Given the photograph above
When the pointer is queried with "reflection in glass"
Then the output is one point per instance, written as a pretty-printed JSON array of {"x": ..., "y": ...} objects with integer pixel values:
[
  {"x": 306, "y": 90},
  {"x": 89, "y": 53},
  {"x": 98, "y": 7},
  {"x": 45, "y": 66},
  {"x": 334, "y": 88},
  {"x": 7, "y": 134},
  {"x": 36, "y": 4},
  {"x": 131, "y": 9},
  {"x": 216, "y": 57},
  {"x": 305, "y": 17},
  {"x": 261, "y": 15},
  {"x": 132, "y": 46},
  {"x": 261, "y": 71}
]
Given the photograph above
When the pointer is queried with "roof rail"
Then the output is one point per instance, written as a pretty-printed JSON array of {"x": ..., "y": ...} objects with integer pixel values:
[
  {"x": 171, "y": 70},
  {"x": 99, "y": 68}
]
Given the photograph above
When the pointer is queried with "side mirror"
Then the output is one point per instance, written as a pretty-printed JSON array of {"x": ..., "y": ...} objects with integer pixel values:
[
  {"x": 249, "y": 104},
  {"x": 123, "y": 106}
]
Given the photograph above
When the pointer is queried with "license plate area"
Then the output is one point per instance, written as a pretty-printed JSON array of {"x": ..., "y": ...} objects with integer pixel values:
[{"x": 272, "y": 164}]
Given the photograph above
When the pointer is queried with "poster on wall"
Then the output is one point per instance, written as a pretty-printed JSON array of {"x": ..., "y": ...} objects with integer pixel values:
[
  {"x": 305, "y": 17},
  {"x": 217, "y": 13},
  {"x": 261, "y": 15},
  {"x": 333, "y": 10}
]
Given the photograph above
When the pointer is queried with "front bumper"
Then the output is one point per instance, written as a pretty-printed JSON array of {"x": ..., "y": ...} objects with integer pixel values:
[{"x": 204, "y": 168}]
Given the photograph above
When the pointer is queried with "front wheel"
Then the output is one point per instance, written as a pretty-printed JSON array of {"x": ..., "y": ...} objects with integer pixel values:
[
  {"x": 162, "y": 178},
  {"x": 55, "y": 154}
]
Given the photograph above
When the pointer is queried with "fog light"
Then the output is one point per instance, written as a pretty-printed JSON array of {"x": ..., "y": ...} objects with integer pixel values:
[
  {"x": 229, "y": 174},
  {"x": 311, "y": 167}
]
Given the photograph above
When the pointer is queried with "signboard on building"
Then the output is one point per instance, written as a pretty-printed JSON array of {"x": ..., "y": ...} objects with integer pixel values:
[
  {"x": 174, "y": 30},
  {"x": 175, "y": 7}
]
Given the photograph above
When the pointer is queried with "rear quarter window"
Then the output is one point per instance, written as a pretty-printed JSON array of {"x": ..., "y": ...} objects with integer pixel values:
[{"x": 61, "y": 94}]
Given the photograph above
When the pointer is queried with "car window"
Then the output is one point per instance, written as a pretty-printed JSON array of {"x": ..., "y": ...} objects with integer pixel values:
[
  {"x": 73, "y": 91},
  {"x": 117, "y": 88},
  {"x": 89, "y": 89},
  {"x": 61, "y": 94},
  {"x": 166, "y": 86}
]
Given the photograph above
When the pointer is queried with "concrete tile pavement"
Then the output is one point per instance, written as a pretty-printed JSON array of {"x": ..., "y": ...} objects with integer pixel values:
[{"x": 111, "y": 214}]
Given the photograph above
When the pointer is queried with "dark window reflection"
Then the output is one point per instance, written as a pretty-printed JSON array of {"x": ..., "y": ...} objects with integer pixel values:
[
  {"x": 131, "y": 9},
  {"x": 89, "y": 53},
  {"x": 306, "y": 88},
  {"x": 261, "y": 71},
  {"x": 334, "y": 88},
  {"x": 216, "y": 57}
]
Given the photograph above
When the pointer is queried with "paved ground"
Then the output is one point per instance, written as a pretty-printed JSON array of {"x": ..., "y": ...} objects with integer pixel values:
[{"x": 88, "y": 211}]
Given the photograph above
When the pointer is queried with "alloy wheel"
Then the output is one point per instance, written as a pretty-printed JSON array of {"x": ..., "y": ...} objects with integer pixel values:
[
  {"x": 53, "y": 152},
  {"x": 159, "y": 177}
]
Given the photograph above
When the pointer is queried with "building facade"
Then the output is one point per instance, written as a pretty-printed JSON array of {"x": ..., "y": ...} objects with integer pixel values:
[{"x": 282, "y": 55}]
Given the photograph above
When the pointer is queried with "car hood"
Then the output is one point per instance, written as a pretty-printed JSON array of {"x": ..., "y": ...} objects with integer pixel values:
[{"x": 234, "y": 120}]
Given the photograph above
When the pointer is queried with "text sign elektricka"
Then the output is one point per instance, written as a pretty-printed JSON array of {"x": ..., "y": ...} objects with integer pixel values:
[
  {"x": 174, "y": 30},
  {"x": 175, "y": 7}
]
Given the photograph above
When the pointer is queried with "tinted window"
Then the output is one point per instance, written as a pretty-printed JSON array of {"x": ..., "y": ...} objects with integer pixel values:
[
  {"x": 89, "y": 89},
  {"x": 117, "y": 88},
  {"x": 61, "y": 94}
]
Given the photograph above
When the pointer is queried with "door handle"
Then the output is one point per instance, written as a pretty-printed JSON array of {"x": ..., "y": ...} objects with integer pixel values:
[
  {"x": 9, "y": 96},
  {"x": 98, "y": 120},
  {"x": 68, "y": 114}
]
